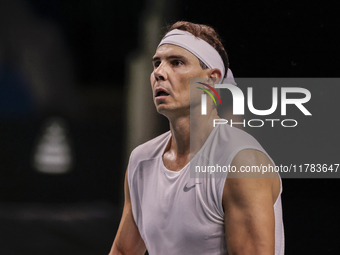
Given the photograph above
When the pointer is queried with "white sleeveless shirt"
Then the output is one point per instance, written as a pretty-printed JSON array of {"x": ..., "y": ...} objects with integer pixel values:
[{"x": 176, "y": 214}]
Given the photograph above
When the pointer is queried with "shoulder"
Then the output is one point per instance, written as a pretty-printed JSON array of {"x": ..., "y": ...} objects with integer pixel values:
[
  {"x": 227, "y": 142},
  {"x": 148, "y": 150},
  {"x": 252, "y": 163},
  {"x": 238, "y": 137},
  {"x": 152, "y": 147}
]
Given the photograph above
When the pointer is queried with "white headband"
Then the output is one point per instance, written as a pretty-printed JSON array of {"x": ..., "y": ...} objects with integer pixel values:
[{"x": 200, "y": 48}]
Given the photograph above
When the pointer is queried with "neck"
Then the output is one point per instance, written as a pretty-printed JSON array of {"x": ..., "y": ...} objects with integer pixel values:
[{"x": 189, "y": 132}]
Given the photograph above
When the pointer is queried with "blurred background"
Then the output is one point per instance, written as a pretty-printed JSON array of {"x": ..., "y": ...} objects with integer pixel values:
[{"x": 75, "y": 99}]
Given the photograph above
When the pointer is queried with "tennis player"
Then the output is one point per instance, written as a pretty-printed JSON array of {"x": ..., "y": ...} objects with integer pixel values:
[{"x": 166, "y": 211}]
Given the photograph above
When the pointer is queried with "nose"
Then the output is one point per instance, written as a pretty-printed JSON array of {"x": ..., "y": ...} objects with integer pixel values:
[{"x": 160, "y": 73}]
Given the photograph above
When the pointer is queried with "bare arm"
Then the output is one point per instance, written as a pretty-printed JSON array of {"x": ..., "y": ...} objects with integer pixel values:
[
  {"x": 128, "y": 240},
  {"x": 248, "y": 206}
]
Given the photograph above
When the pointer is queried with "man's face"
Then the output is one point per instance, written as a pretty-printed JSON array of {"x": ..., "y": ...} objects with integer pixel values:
[{"x": 173, "y": 67}]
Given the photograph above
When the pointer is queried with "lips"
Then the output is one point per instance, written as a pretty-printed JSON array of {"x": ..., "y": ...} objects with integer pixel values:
[{"x": 161, "y": 92}]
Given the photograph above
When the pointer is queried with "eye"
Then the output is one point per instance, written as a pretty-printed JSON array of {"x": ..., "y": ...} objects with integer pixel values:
[
  {"x": 177, "y": 63},
  {"x": 156, "y": 63}
]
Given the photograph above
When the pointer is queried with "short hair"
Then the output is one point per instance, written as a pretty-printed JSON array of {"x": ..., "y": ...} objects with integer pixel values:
[{"x": 206, "y": 33}]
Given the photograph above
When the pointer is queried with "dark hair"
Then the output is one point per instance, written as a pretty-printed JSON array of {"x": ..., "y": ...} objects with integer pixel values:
[{"x": 206, "y": 33}]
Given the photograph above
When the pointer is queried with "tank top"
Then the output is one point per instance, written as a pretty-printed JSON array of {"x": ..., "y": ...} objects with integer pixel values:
[{"x": 177, "y": 214}]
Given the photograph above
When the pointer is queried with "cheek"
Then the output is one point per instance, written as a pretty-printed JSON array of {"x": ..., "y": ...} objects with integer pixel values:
[{"x": 185, "y": 83}]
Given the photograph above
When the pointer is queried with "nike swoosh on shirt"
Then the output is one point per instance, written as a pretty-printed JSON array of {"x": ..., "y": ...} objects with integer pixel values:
[{"x": 186, "y": 189}]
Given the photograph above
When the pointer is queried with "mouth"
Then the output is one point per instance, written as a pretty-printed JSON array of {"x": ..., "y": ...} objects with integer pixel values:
[{"x": 161, "y": 93}]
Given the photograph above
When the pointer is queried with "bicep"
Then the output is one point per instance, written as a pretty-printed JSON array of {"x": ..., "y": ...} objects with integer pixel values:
[
  {"x": 128, "y": 239},
  {"x": 249, "y": 212}
]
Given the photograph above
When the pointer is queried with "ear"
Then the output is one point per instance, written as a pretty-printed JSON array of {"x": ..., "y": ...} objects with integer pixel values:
[{"x": 215, "y": 74}]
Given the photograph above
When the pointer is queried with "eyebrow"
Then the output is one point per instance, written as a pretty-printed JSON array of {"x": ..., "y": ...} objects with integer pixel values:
[{"x": 170, "y": 57}]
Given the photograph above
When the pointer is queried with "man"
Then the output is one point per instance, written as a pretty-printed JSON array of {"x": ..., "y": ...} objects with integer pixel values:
[{"x": 168, "y": 212}]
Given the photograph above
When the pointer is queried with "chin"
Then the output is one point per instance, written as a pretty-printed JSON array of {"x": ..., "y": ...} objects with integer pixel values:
[
  {"x": 171, "y": 112},
  {"x": 162, "y": 109}
]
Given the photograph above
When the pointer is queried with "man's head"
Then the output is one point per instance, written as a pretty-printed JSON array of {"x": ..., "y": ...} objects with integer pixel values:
[
  {"x": 195, "y": 53},
  {"x": 206, "y": 33}
]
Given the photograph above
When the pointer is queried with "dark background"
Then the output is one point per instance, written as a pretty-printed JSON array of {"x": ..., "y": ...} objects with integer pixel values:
[{"x": 78, "y": 213}]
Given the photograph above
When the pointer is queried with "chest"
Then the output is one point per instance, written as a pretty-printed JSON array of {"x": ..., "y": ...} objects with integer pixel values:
[{"x": 173, "y": 205}]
